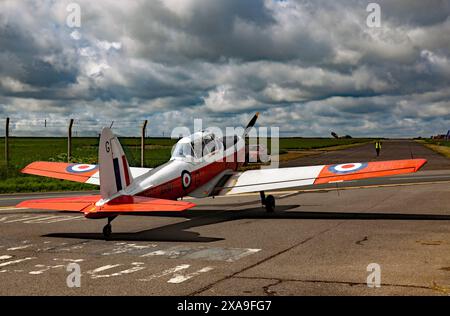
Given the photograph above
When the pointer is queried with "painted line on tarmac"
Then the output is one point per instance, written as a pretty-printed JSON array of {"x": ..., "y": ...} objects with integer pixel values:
[
  {"x": 4, "y": 264},
  {"x": 8, "y": 208}
]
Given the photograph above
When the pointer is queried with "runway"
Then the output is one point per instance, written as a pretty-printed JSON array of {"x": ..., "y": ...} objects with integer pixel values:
[{"x": 320, "y": 241}]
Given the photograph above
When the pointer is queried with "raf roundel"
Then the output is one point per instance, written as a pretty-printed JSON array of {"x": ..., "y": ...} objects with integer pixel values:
[
  {"x": 186, "y": 179},
  {"x": 81, "y": 168},
  {"x": 347, "y": 168}
]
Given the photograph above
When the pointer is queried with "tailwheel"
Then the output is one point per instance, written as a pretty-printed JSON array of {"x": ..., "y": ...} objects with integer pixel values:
[{"x": 107, "y": 230}]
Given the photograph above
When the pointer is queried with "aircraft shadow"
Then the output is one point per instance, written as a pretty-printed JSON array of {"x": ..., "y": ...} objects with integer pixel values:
[{"x": 178, "y": 232}]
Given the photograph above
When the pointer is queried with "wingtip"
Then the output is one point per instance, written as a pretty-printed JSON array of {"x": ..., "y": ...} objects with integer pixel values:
[
  {"x": 190, "y": 205},
  {"x": 420, "y": 163},
  {"x": 21, "y": 204}
]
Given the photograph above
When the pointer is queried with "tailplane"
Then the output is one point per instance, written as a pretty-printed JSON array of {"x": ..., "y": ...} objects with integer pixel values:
[{"x": 115, "y": 173}]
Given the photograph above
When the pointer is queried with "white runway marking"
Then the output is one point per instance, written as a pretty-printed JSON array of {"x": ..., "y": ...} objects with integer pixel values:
[
  {"x": 136, "y": 266},
  {"x": 103, "y": 268},
  {"x": 243, "y": 254},
  {"x": 94, "y": 272},
  {"x": 45, "y": 268},
  {"x": 19, "y": 247},
  {"x": 23, "y": 218},
  {"x": 12, "y": 208},
  {"x": 5, "y": 257},
  {"x": 181, "y": 278},
  {"x": 203, "y": 253},
  {"x": 68, "y": 260},
  {"x": 123, "y": 247},
  {"x": 38, "y": 219},
  {"x": 166, "y": 272},
  {"x": 4, "y": 264}
]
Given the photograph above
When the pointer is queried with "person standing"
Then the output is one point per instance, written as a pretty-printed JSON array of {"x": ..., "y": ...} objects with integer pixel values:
[{"x": 378, "y": 147}]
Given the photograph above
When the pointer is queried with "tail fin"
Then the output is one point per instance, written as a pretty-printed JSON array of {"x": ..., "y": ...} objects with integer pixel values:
[{"x": 115, "y": 173}]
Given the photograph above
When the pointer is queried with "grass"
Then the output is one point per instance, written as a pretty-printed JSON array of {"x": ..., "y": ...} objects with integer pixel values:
[
  {"x": 84, "y": 150},
  {"x": 440, "y": 146}
]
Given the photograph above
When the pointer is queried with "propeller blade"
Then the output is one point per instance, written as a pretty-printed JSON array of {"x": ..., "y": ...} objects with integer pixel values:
[{"x": 251, "y": 124}]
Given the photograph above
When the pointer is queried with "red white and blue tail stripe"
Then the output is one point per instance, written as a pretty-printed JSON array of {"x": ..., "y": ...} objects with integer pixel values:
[{"x": 115, "y": 174}]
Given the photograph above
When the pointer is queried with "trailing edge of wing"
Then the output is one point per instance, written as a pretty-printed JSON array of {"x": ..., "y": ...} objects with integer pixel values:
[
  {"x": 120, "y": 205},
  {"x": 277, "y": 179}
]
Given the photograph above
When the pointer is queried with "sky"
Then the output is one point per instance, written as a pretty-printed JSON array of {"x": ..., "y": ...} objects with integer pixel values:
[{"x": 309, "y": 67}]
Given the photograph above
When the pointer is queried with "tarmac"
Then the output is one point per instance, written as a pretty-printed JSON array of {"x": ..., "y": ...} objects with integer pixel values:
[{"x": 386, "y": 236}]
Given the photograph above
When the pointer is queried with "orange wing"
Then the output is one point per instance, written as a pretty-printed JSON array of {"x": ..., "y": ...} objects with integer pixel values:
[
  {"x": 84, "y": 173},
  {"x": 120, "y": 205},
  {"x": 78, "y": 172},
  {"x": 283, "y": 178},
  {"x": 358, "y": 171}
]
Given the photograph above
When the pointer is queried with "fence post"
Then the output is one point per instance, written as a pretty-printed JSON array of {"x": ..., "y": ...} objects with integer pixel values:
[
  {"x": 69, "y": 141},
  {"x": 144, "y": 127},
  {"x": 7, "y": 141}
]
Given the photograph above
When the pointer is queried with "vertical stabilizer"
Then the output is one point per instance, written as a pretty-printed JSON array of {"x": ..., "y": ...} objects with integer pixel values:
[{"x": 115, "y": 173}]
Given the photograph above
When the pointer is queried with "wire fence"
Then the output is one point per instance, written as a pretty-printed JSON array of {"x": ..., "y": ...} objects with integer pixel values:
[
  {"x": 24, "y": 141},
  {"x": 59, "y": 127}
]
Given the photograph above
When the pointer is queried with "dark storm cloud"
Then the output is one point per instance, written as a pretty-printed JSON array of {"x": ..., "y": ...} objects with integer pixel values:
[{"x": 309, "y": 66}]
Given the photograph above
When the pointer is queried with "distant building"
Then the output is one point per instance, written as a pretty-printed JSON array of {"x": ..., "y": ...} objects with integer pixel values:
[{"x": 442, "y": 136}]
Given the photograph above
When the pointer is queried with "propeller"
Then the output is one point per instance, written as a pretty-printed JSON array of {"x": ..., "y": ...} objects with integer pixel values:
[{"x": 251, "y": 124}]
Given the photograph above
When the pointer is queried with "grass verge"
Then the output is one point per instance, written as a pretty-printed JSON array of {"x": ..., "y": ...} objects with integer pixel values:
[{"x": 441, "y": 147}]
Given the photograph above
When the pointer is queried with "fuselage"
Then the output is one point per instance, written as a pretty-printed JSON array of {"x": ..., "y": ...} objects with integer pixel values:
[{"x": 184, "y": 173}]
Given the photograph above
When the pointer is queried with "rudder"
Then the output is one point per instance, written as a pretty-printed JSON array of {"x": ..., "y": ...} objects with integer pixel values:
[{"x": 115, "y": 173}]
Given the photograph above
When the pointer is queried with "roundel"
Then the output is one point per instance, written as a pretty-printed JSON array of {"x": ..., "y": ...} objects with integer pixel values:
[
  {"x": 80, "y": 168},
  {"x": 186, "y": 179},
  {"x": 347, "y": 167}
]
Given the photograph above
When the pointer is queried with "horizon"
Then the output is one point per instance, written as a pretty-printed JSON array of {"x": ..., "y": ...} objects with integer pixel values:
[{"x": 309, "y": 67}]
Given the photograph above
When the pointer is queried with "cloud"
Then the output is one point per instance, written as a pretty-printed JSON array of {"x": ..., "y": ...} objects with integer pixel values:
[{"x": 309, "y": 66}]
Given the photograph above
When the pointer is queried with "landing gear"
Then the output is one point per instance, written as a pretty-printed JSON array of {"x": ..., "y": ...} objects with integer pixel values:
[
  {"x": 107, "y": 230},
  {"x": 268, "y": 202}
]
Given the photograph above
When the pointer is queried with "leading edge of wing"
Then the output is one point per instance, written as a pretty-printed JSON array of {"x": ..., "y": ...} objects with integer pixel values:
[
  {"x": 60, "y": 170},
  {"x": 120, "y": 205},
  {"x": 77, "y": 172},
  {"x": 276, "y": 179}
]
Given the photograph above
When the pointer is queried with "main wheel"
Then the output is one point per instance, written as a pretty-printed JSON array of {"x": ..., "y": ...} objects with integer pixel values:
[
  {"x": 107, "y": 231},
  {"x": 270, "y": 203}
]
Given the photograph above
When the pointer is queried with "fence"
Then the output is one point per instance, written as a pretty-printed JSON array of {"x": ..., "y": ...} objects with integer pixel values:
[{"x": 69, "y": 139}]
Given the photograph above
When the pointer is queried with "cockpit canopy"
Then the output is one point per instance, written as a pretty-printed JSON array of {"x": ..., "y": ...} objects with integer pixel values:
[{"x": 197, "y": 146}]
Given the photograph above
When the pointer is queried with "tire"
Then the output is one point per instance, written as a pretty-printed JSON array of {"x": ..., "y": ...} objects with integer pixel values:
[
  {"x": 270, "y": 204},
  {"x": 107, "y": 231}
]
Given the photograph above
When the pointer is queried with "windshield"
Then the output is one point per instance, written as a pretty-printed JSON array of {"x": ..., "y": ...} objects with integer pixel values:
[{"x": 182, "y": 150}]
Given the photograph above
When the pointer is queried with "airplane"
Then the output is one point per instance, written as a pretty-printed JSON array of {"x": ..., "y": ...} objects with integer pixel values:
[{"x": 128, "y": 190}]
